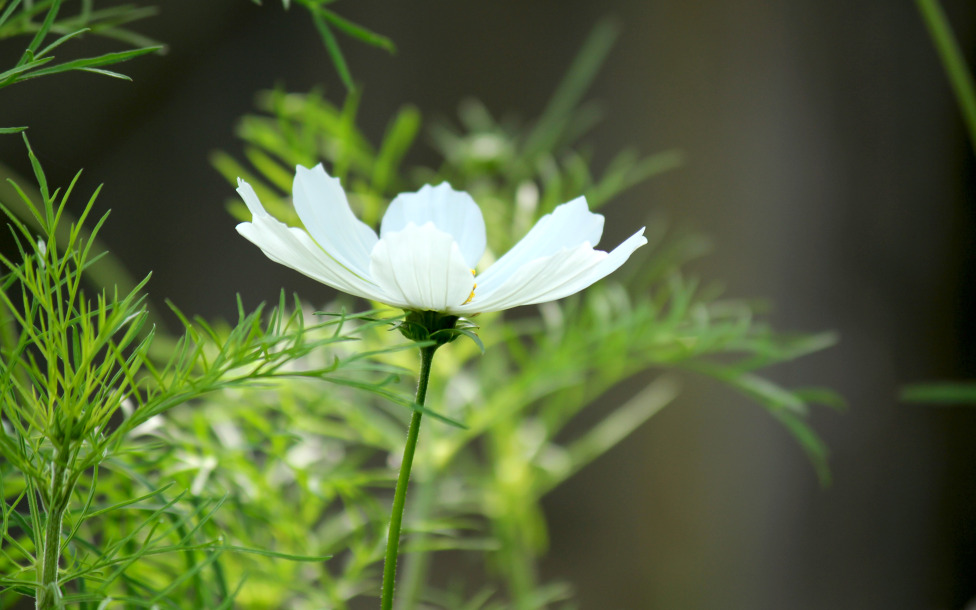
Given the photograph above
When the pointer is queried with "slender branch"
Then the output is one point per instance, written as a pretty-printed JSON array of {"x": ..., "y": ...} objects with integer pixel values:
[
  {"x": 400, "y": 495},
  {"x": 953, "y": 61},
  {"x": 517, "y": 565},
  {"x": 48, "y": 591}
]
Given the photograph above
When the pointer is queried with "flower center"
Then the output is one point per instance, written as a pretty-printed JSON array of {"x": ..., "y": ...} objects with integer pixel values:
[{"x": 473, "y": 288}]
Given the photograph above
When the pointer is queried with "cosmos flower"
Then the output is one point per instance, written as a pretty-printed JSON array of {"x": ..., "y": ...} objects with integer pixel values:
[{"x": 428, "y": 248}]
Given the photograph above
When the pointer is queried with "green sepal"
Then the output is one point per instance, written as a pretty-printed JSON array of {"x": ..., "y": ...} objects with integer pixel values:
[
  {"x": 428, "y": 326},
  {"x": 437, "y": 327},
  {"x": 464, "y": 327}
]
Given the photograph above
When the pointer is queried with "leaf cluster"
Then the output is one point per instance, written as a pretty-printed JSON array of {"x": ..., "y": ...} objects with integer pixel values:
[
  {"x": 80, "y": 376},
  {"x": 44, "y": 20}
]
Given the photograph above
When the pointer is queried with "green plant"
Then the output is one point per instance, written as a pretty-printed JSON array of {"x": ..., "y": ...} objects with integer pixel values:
[
  {"x": 44, "y": 19},
  {"x": 250, "y": 464},
  {"x": 85, "y": 516}
]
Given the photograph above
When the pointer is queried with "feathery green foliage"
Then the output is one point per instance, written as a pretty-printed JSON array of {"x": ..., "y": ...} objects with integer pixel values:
[
  {"x": 478, "y": 488},
  {"x": 47, "y": 19},
  {"x": 250, "y": 465},
  {"x": 86, "y": 515}
]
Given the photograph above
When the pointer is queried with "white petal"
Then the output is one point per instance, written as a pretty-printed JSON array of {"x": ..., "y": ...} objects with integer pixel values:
[
  {"x": 294, "y": 248},
  {"x": 422, "y": 269},
  {"x": 322, "y": 205},
  {"x": 453, "y": 212},
  {"x": 568, "y": 226},
  {"x": 554, "y": 277}
]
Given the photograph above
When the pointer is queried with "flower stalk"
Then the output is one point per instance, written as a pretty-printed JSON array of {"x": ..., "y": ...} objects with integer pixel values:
[
  {"x": 417, "y": 564},
  {"x": 400, "y": 495}
]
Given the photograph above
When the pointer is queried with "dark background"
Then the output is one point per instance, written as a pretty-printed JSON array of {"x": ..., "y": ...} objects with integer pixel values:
[{"x": 827, "y": 162}]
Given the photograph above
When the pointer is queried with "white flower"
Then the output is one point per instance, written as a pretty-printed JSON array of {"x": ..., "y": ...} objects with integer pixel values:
[{"x": 429, "y": 244}]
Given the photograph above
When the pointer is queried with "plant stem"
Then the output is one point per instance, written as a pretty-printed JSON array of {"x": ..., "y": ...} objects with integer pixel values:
[
  {"x": 48, "y": 592},
  {"x": 517, "y": 564},
  {"x": 415, "y": 570},
  {"x": 953, "y": 61},
  {"x": 400, "y": 495}
]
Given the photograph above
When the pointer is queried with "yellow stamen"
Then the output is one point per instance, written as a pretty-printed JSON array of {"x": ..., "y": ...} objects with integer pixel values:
[{"x": 471, "y": 296}]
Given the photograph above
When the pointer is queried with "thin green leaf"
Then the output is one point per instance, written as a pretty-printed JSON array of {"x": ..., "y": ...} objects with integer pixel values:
[
  {"x": 332, "y": 47},
  {"x": 962, "y": 393},
  {"x": 60, "y": 41},
  {"x": 41, "y": 33},
  {"x": 273, "y": 554},
  {"x": 810, "y": 442},
  {"x": 8, "y": 11},
  {"x": 358, "y": 31},
  {"x": 580, "y": 75},
  {"x": 617, "y": 426},
  {"x": 91, "y": 62},
  {"x": 764, "y": 391},
  {"x": 953, "y": 61},
  {"x": 398, "y": 139},
  {"x": 8, "y": 77},
  {"x": 108, "y": 73}
]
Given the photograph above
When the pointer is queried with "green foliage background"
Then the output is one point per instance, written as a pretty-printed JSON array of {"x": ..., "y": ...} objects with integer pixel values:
[{"x": 250, "y": 464}]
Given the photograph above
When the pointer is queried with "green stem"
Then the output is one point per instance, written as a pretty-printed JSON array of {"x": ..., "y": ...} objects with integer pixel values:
[
  {"x": 952, "y": 60},
  {"x": 415, "y": 570},
  {"x": 518, "y": 566},
  {"x": 400, "y": 495},
  {"x": 49, "y": 592}
]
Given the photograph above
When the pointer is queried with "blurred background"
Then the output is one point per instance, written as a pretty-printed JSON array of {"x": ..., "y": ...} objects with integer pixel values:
[{"x": 826, "y": 161}]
